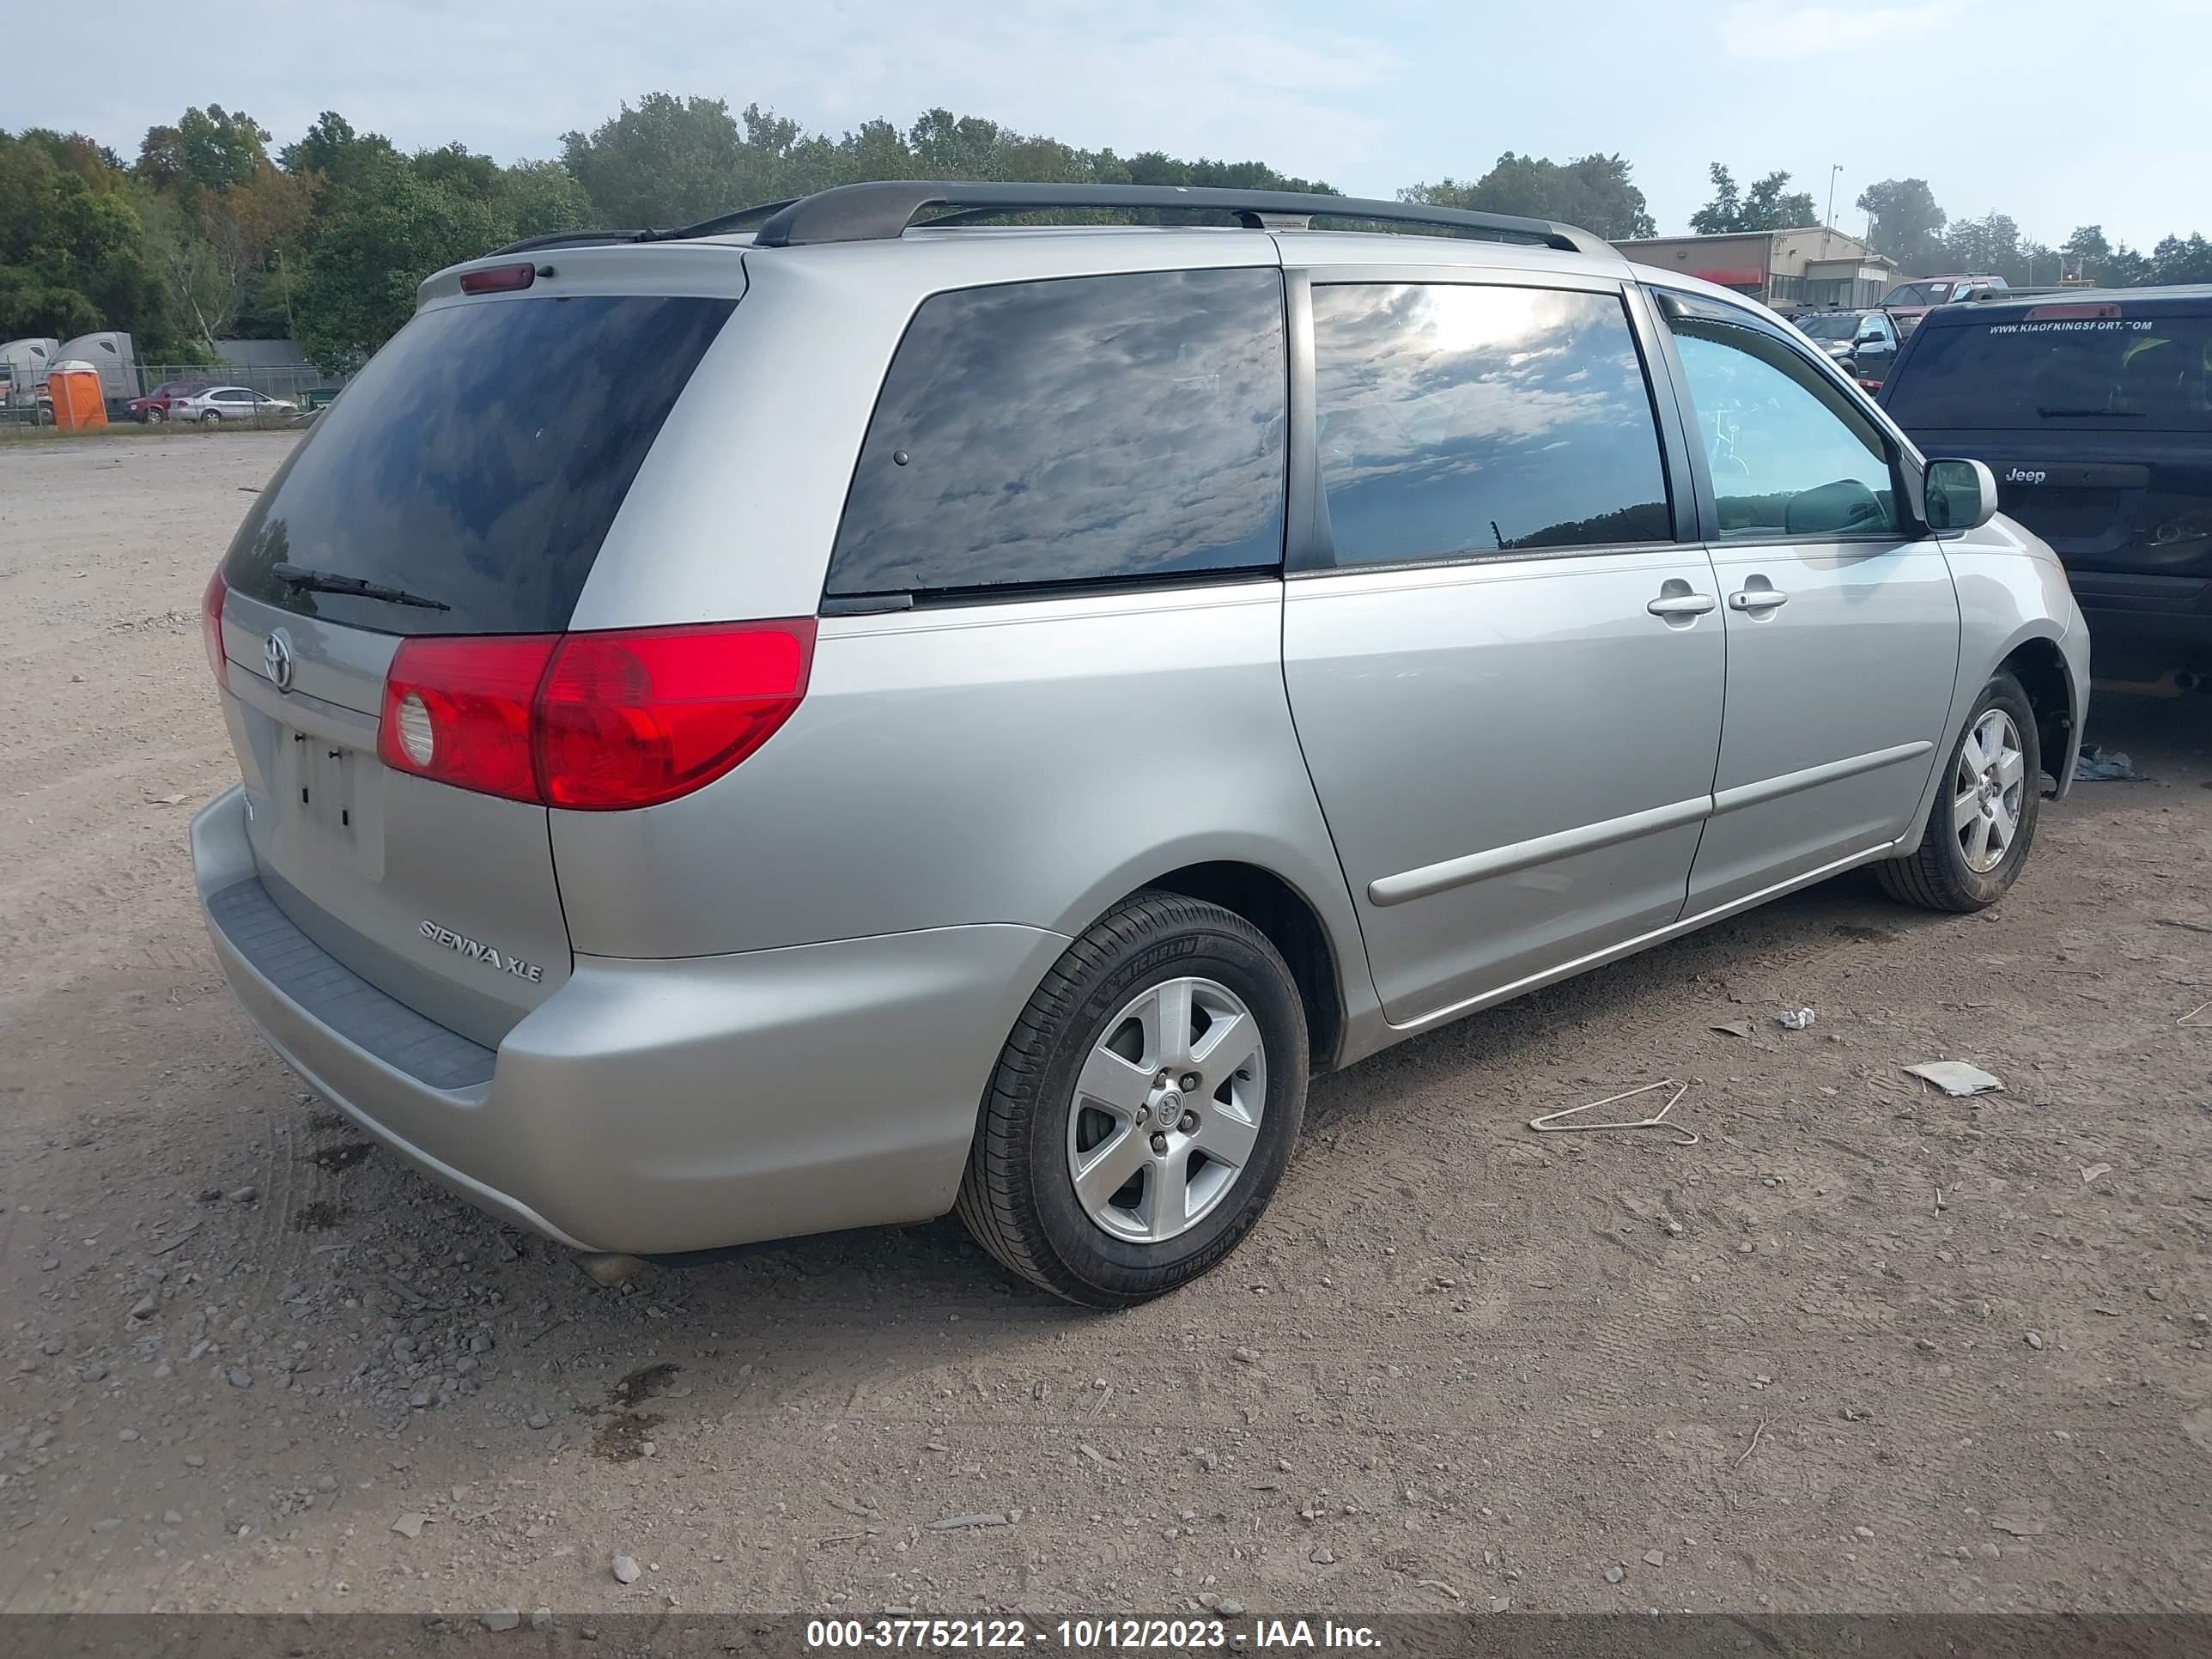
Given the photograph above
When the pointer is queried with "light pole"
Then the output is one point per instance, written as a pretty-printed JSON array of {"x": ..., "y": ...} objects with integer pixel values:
[{"x": 1828, "y": 224}]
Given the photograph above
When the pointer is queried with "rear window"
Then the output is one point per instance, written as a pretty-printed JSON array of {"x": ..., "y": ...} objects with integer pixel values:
[
  {"x": 2085, "y": 371},
  {"x": 1918, "y": 294},
  {"x": 476, "y": 461},
  {"x": 1089, "y": 428},
  {"x": 1830, "y": 326}
]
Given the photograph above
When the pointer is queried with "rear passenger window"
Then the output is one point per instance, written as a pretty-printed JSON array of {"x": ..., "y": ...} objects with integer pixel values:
[
  {"x": 1457, "y": 419},
  {"x": 1088, "y": 428}
]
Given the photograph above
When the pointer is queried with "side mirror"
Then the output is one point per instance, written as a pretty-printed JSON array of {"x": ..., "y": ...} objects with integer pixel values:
[
  {"x": 1960, "y": 494},
  {"x": 1872, "y": 336}
]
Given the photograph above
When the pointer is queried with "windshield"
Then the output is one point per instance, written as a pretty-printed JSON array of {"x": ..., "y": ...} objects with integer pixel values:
[
  {"x": 478, "y": 460},
  {"x": 2098, "y": 368},
  {"x": 1831, "y": 325},
  {"x": 1918, "y": 294}
]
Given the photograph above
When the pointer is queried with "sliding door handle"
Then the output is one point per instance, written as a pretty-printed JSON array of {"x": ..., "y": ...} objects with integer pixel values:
[{"x": 1681, "y": 604}]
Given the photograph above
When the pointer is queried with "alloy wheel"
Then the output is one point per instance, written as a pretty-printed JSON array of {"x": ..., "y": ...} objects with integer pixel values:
[
  {"x": 1987, "y": 792},
  {"x": 1167, "y": 1110}
]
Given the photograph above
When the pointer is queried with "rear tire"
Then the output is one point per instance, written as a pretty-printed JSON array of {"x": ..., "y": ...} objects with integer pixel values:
[
  {"x": 1983, "y": 822},
  {"x": 1096, "y": 1079}
]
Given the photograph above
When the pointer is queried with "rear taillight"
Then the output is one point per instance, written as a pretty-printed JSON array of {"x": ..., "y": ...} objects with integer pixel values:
[
  {"x": 592, "y": 722},
  {"x": 458, "y": 710},
  {"x": 211, "y": 628},
  {"x": 632, "y": 718}
]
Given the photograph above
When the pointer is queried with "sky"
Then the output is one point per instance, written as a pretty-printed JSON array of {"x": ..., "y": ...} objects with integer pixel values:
[{"x": 2055, "y": 111}]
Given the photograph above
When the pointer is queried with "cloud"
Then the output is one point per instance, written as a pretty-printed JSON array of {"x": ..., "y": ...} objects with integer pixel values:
[{"x": 1756, "y": 32}]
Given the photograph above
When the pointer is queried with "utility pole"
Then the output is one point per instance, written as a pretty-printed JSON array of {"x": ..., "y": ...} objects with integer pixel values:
[{"x": 1828, "y": 224}]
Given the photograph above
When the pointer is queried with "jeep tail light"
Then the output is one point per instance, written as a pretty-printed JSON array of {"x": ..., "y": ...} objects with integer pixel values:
[
  {"x": 211, "y": 628},
  {"x": 596, "y": 721}
]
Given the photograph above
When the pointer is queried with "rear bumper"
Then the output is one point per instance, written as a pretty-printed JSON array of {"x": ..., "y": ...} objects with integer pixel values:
[
  {"x": 655, "y": 1107},
  {"x": 2123, "y": 604}
]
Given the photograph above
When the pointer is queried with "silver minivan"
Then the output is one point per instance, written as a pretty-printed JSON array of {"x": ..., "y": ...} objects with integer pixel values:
[{"x": 819, "y": 719}]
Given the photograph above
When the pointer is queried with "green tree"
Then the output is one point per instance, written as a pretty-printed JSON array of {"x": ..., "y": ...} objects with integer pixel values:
[
  {"x": 2176, "y": 260},
  {"x": 460, "y": 169},
  {"x": 2087, "y": 252},
  {"x": 1988, "y": 246},
  {"x": 217, "y": 251},
  {"x": 2127, "y": 267},
  {"x": 1908, "y": 225},
  {"x": 537, "y": 198},
  {"x": 332, "y": 152},
  {"x": 1769, "y": 204},
  {"x": 1592, "y": 192},
  {"x": 72, "y": 243},
  {"x": 213, "y": 148},
  {"x": 670, "y": 161},
  {"x": 371, "y": 245},
  {"x": 675, "y": 160}
]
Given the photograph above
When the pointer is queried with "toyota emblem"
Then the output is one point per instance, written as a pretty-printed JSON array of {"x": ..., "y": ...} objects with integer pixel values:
[{"x": 277, "y": 658}]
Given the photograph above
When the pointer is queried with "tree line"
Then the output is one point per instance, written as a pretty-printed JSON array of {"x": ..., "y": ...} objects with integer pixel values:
[
  {"x": 208, "y": 233},
  {"x": 1912, "y": 229}
]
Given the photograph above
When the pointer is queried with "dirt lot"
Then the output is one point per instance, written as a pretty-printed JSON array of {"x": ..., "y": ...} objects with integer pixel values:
[{"x": 1862, "y": 1347}]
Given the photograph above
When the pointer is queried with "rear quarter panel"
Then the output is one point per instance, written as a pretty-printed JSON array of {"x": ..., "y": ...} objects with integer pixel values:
[
  {"x": 1030, "y": 763},
  {"x": 733, "y": 514}
]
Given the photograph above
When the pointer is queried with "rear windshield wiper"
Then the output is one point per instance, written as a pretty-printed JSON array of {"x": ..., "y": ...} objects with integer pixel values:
[
  {"x": 329, "y": 581},
  {"x": 2120, "y": 414}
]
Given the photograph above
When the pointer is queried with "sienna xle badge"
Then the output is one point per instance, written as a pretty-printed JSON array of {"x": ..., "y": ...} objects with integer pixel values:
[{"x": 836, "y": 716}]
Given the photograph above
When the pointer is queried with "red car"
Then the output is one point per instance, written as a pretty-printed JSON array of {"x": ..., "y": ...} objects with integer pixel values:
[{"x": 155, "y": 405}]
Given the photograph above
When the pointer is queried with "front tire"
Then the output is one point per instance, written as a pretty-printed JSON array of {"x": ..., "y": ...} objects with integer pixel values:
[
  {"x": 211, "y": 418},
  {"x": 1983, "y": 822},
  {"x": 1145, "y": 1107}
]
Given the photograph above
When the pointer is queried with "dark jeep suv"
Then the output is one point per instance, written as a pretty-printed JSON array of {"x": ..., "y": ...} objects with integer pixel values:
[{"x": 2095, "y": 410}]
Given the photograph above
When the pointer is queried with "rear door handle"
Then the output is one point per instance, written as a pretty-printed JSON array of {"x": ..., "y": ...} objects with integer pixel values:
[
  {"x": 1681, "y": 604},
  {"x": 1757, "y": 599}
]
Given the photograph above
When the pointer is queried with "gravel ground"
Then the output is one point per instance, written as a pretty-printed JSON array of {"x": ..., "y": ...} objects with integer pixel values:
[{"x": 1862, "y": 1347}]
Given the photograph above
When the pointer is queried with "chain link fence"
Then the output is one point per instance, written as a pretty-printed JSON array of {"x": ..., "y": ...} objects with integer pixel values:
[{"x": 25, "y": 408}]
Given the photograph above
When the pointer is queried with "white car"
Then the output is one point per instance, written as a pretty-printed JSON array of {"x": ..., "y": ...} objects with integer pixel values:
[{"x": 232, "y": 403}]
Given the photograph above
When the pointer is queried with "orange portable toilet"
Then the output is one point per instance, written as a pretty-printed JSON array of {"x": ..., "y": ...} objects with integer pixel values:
[{"x": 75, "y": 388}]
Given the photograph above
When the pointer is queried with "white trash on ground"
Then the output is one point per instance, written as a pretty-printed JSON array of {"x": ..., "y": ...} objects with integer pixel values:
[
  {"x": 2098, "y": 765},
  {"x": 1955, "y": 1077}
]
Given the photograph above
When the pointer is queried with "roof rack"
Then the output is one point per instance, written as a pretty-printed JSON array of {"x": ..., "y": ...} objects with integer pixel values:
[
  {"x": 714, "y": 226},
  {"x": 880, "y": 212}
]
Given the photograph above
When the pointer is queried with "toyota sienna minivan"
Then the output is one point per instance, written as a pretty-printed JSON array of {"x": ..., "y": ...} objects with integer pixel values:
[{"x": 861, "y": 709}]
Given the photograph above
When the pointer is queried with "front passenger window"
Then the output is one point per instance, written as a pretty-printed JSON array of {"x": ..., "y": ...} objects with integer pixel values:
[{"x": 1789, "y": 455}]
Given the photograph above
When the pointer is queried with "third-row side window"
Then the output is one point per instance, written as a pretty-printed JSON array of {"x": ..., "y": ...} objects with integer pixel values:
[
  {"x": 1087, "y": 428},
  {"x": 1458, "y": 419}
]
